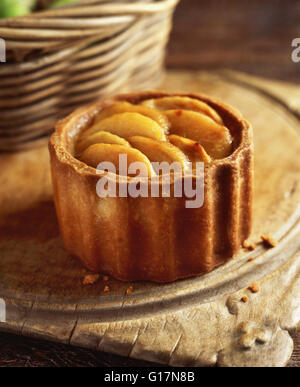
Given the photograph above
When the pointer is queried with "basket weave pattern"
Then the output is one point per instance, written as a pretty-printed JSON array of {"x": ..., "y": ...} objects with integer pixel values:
[{"x": 61, "y": 59}]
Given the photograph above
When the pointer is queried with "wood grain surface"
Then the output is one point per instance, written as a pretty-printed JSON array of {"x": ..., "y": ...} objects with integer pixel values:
[
  {"x": 40, "y": 283},
  {"x": 17, "y": 351}
]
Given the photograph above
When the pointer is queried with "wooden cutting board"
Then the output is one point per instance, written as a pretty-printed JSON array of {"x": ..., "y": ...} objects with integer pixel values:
[{"x": 198, "y": 321}]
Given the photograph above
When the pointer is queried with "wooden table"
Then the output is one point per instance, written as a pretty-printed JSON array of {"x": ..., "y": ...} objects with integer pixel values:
[{"x": 18, "y": 351}]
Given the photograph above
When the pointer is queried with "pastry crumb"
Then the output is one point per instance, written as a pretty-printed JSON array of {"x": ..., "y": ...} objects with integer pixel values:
[
  {"x": 269, "y": 241},
  {"x": 106, "y": 289},
  {"x": 129, "y": 290},
  {"x": 249, "y": 246},
  {"x": 250, "y": 259},
  {"x": 90, "y": 279},
  {"x": 254, "y": 287},
  {"x": 105, "y": 278},
  {"x": 244, "y": 299}
]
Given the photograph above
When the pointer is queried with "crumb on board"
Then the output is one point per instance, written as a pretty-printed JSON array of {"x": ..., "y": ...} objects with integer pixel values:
[
  {"x": 244, "y": 299},
  {"x": 251, "y": 259},
  {"x": 129, "y": 290},
  {"x": 249, "y": 246},
  {"x": 105, "y": 278},
  {"x": 269, "y": 241},
  {"x": 90, "y": 279},
  {"x": 254, "y": 287},
  {"x": 106, "y": 289}
]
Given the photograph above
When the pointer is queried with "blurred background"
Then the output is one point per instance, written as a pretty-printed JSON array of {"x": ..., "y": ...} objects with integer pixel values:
[
  {"x": 251, "y": 36},
  {"x": 247, "y": 35}
]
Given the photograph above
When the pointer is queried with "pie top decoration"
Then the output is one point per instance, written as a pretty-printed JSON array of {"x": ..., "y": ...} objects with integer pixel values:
[{"x": 172, "y": 129}]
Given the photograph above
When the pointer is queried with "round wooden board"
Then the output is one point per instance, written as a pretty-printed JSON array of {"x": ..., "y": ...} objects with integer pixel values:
[{"x": 197, "y": 321}]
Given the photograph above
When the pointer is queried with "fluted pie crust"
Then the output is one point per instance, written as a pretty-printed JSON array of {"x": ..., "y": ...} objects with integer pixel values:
[{"x": 151, "y": 238}]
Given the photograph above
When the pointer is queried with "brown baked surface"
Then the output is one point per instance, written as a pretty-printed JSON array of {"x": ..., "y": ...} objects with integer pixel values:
[{"x": 156, "y": 239}]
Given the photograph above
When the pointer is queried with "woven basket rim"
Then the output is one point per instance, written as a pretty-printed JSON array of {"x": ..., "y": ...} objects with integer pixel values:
[
  {"x": 51, "y": 28},
  {"x": 60, "y": 69},
  {"x": 91, "y": 8}
]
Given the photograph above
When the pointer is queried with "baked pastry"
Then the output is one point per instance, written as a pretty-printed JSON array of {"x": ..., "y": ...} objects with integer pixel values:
[{"x": 153, "y": 238}]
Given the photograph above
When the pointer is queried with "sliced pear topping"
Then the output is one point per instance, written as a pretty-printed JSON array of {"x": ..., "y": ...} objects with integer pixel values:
[
  {"x": 194, "y": 151},
  {"x": 172, "y": 103},
  {"x": 126, "y": 107},
  {"x": 127, "y": 125},
  {"x": 158, "y": 151},
  {"x": 98, "y": 153},
  {"x": 101, "y": 137},
  {"x": 215, "y": 138}
]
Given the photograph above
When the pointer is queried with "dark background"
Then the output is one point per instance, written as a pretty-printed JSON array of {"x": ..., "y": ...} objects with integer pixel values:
[{"x": 247, "y": 35}]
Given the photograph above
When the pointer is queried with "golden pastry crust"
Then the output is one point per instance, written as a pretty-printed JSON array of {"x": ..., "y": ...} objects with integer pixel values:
[{"x": 156, "y": 239}]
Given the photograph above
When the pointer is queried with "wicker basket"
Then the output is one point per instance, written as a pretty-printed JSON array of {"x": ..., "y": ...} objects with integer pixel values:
[{"x": 60, "y": 59}]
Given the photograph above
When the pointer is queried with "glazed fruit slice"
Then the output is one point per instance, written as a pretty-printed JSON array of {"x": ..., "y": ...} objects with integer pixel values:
[
  {"x": 159, "y": 151},
  {"x": 171, "y": 103},
  {"x": 215, "y": 138},
  {"x": 169, "y": 129},
  {"x": 194, "y": 151},
  {"x": 98, "y": 153},
  {"x": 126, "y": 107},
  {"x": 98, "y": 138},
  {"x": 127, "y": 125}
]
